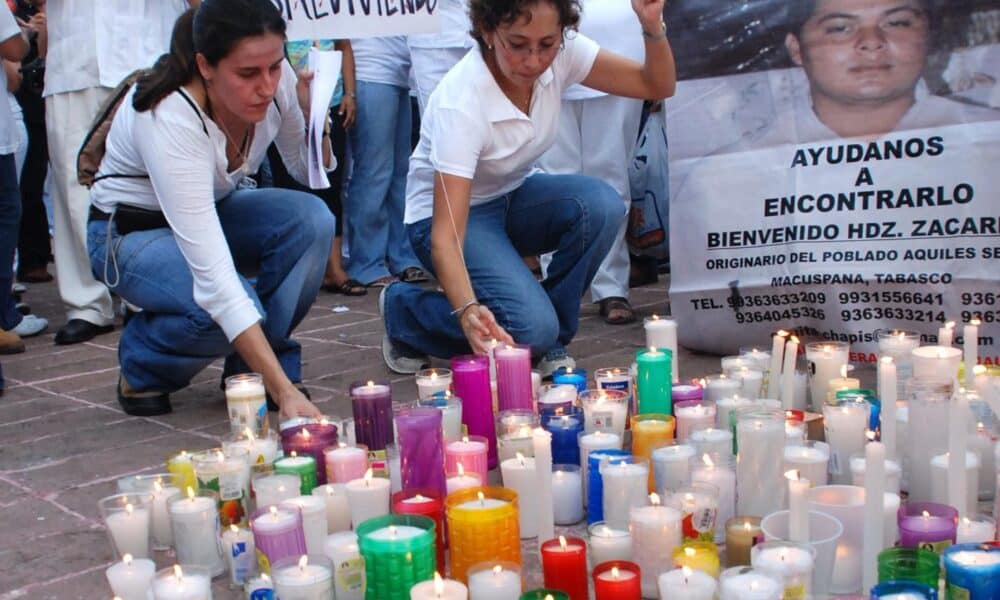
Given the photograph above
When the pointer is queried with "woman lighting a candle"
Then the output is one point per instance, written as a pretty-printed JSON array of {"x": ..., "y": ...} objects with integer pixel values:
[{"x": 473, "y": 206}]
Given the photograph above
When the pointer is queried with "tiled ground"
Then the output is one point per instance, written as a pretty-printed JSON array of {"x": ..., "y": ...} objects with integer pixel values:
[{"x": 64, "y": 441}]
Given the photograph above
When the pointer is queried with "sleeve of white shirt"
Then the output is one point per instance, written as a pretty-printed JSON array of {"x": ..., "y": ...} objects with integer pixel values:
[
  {"x": 291, "y": 139},
  {"x": 180, "y": 158},
  {"x": 8, "y": 26},
  {"x": 457, "y": 140},
  {"x": 577, "y": 58}
]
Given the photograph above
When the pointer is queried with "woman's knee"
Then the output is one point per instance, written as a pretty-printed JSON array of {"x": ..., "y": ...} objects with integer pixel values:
[
  {"x": 535, "y": 325},
  {"x": 605, "y": 205}
]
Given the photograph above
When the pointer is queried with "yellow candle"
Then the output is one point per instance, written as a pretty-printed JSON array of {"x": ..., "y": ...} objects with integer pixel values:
[
  {"x": 742, "y": 533},
  {"x": 482, "y": 527},
  {"x": 701, "y": 556},
  {"x": 182, "y": 468},
  {"x": 649, "y": 431}
]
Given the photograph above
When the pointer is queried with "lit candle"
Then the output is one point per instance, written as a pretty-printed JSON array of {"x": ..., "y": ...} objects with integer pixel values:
[
  {"x": 650, "y": 430},
  {"x": 307, "y": 578},
  {"x": 614, "y": 379},
  {"x": 278, "y": 533},
  {"x": 747, "y": 583},
  {"x": 656, "y": 531},
  {"x": 195, "y": 523},
  {"x": 898, "y": 344},
  {"x": 513, "y": 376},
  {"x": 773, "y": 389},
  {"x": 721, "y": 386},
  {"x": 699, "y": 506},
  {"x": 571, "y": 376},
  {"x": 246, "y": 402},
  {"x": 844, "y": 425},
  {"x": 625, "y": 486},
  {"x": 686, "y": 584},
  {"x": 564, "y": 566},
  {"x": 556, "y": 397},
  {"x": 565, "y": 433},
  {"x": 238, "y": 546},
  {"x": 398, "y": 551},
  {"x": 462, "y": 480},
  {"x": 617, "y": 580},
  {"x": 653, "y": 381},
  {"x": 344, "y": 463},
  {"x": 275, "y": 489},
  {"x": 976, "y": 530},
  {"x": 791, "y": 354},
  {"x": 471, "y": 452},
  {"x": 261, "y": 450},
  {"x": 691, "y": 416},
  {"x": 439, "y": 589},
  {"x": 927, "y": 525},
  {"x": 519, "y": 474},
  {"x": 798, "y": 505},
  {"x": 314, "y": 523},
  {"x": 810, "y": 460},
  {"x": 179, "y": 465},
  {"x": 717, "y": 470},
  {"x": 128, "y": 519},
  {"x": 348, "y": 566},
  {"x": 431, "y": 381},
  {"x": 887, "y": 387},
  {"x": 495, "y": 581},
  {"x": 711, "y": 441},
  {"x": 368, "y": 497},
  {"x": 698, "y": 556},
  {"x": 477, "y": 514},
  {"x": 131, "y": 579},
  {"x": 982, "y": 443},
  {"x": 338, "y": 509},
  {"x": 567, "y": 494},
  {"x": 742, "y": 534},
  {"x": 672, "y": 465},
  {"x": 607, "y": 544},
  {"x": 421, "y": 448},
  {"x": 303, "y": 466},
  {"x": 589, "y": 442},
  {"x": 973, "y": 571},
  {"x": 472, "y": 384},
  {"x": 311, "y": 439},
  {"x": 936, "y": 362},
  {"x": 790, "y": 562},
  {"x": 372, "y": 406},
  {"x": 874, "y": 534},
  {"x": 604, "y": 410},
  {"x": 189, "y": 583},
  {"x": 662, "y": 333},
  {"x": 892, "y": 472},
  {"x": 451, "y": 413}
]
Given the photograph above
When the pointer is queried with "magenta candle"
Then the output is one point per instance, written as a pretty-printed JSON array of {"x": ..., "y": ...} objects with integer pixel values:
[
  {"x": 277, "y": 533},
  {"x": 471, "y": 379},
  {"x": 927, "y": 525},
  {"x": 311, "y": 439},
  {"x": 421, "y": 452},
  {"x": 514, "y": 389},
  {"x": 682, "y": 392},
  {"x": 372, "y": 404},
  {"x": 471, "y": 452},
  {"x": 345, "y": 463}
]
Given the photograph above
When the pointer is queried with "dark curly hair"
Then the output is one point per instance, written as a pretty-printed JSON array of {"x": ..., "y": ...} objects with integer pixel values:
[
  {"x": 800, "y": 11},
  {"x": 488, "y": 15}
]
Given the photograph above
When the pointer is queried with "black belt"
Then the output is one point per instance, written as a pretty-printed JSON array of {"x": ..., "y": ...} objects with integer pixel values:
[
  {"x": 97, "y": 214},
  {"x": 131, "y": 218}
]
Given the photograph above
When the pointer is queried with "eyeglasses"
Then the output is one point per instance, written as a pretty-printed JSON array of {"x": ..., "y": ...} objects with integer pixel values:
[{"x": 524, "y": 51}]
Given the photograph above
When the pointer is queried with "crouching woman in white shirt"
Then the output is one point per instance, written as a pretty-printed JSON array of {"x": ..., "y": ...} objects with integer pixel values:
[
  {"x": 474, "y": 205},
  {"x": 176, "y": 227}
]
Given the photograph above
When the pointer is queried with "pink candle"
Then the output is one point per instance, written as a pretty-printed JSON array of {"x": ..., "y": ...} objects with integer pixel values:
[
  {"x": 344, "y": 463},
  {"x": 514, "y": 388},
  {"x": 470, "y": 452}
]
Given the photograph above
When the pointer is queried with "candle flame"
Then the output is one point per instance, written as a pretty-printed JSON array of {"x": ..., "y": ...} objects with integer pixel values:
[
  {"x": 434, "y": 376},
  {"x": 129, "y": 508},
  {"x": 687, "y": 570},
  {"x": 843, "y": 371},
  {"x": 614, "y": 573},
  {"x": 886, "y": 360},
  {"x": 274, "y": 511},
  {"x": 654, "y": 499},
  {"x": 157, "y": 486},
  {"x": 265, "y": 577},
  {"x": 975, "y": 322},
  {"x": 569, "y": 370},
  {"x": 127, "y": 559},
  {"x": 392, "y": 530},
  {"x": 324, "y": 421},
  {"x": 705, "y": 458},
  {"x": 497, "y": 569},
  {"x": 482, "y": 498},
  {"x": 966, "y": 521},
  {"x": 926, "y": 514},
  {"x": 465, "y": 439},
  {"x": 746, "y": 526},
  {"x": 305, "y": 434},
  {"x": 792, "y": 475},
  {"x": 655, "y": 317},
  {"x": 870, "y": 435},
  {"x": 438, "y": 584},
  {"x": 753, "y": 586},
  {"x": 562, "y": 542},
  {"x": 782, "y": 333},
  {"x": 281, "y": 487},
  {"x": 652, "y": 348},
  {"x": 303, "y": 561},
  {"x": 689, "y": 552},
  {"x": 249, "y": 433},
  {"x": 178, "y": 573},
  {"x": 220, "y": 456},
  {"x": 293, "y": 453},
  {"x": 190, "y": 492},
  {"x": 549, "y": 597},
  {"x": 370, "y": 383},
  {"x": 795, "y": 340},
  {"x": 979, "y": 370},
  {"x": 520, "y": 458}
]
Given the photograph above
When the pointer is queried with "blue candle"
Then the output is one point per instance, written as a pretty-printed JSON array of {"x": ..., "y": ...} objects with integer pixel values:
[
  {"x": 565, "y": 429},
  {"x": 973, "y": 571},
  {"x": 901, "y": 588},
  {"x": 595, "y": 485},
  {"x": 577, "y": 377}
]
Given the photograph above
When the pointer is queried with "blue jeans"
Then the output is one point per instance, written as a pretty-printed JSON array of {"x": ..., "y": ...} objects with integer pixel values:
[
  {"x": 281, "y": 236},
  {"x": 10, "y": 223},
  {"x": 376, "y": 196},
  {"x": 575, "y": 216}
]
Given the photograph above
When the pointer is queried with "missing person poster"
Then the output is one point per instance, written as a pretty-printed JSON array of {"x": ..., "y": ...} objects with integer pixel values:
[{"x": 835, "y": 170}]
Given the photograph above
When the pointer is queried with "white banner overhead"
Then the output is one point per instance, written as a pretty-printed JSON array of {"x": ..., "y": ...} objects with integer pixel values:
[{"x": 345, "y": 19}]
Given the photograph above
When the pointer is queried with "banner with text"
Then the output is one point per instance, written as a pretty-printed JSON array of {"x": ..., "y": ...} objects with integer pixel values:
[
  {"x": 849, "y": 187},
  {"x": 345, "y": 19}
]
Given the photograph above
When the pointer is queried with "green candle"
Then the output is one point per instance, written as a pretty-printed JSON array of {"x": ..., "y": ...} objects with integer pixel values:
[
  {"x": 399, "y": 552},
  {"x": 303, "y": 466},
  {"x": 654, "y": 380},
  {"x": 541, "y": 594}
]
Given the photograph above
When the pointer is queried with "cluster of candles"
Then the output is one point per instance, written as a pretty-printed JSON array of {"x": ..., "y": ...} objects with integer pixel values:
[{"x": 662, "y": 472}]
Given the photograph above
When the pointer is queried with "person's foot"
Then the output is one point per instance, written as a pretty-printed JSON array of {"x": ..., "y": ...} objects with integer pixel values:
[
  {"x": 616, "y": 310},
  {"x": 10, "y": 343},
  {"x": 347, "y": 287},
  {"x": 77, "y": 331},
  {"x": 553, "y": 361},
  {"x": 142, "y": 404},
  {"x": 35, "y": 275},
  {"x": 382, "y": 282},
  {"x": 397, "y": 359},
  {"x": 30, "y": 325},
  {"x": 413, "y": 275}
]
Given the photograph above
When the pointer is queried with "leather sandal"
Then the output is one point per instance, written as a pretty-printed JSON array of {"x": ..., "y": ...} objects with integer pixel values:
[
  {"x": 617, "y": 303},
  {"x": 350, "y": 287}
]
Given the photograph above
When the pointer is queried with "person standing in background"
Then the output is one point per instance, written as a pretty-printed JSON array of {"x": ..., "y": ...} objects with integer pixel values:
[
  {"x": 434, "y": 54},
  {"x": 92, "y": 46}
]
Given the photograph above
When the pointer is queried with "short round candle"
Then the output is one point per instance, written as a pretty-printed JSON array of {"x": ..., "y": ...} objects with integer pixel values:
[
  {"x": 699, "y": 505},
  {"x": 398, "y": 551},
  {"x": 278, "y": 534},
  {"x": 495, "y": 581},
  {"x": 617, "y": 580},
  {"x": 182, "y": 582},
  {"x": 976, "y": 529},
  {"x": 609, "y": 544},
  {"x": 471, "y": 452},
  {"x": 131, "y": 579},
  {"x": 927, "y": 525},
  {"x": 368, "y": 497},
  {"x": 972, "y": 571},
  {"x": 311, "y": 439},
  {"x": 308, "y": 577},
  {"x": 426, "y": 502},
  {"x": 904, "y": 590},
  {"x": 544, "y": 594},
  {"x": 672, "y": 466},
  {"x": 811, "y": 460},
  {"x": 371, "y": 402},
  {"x": 303, "y": 466},
  {"x": 344, "y": 463},
  {"x": 514, "y": 431},
  {"x": 432, "y": 381},
  {"x": 604, "y": 410},
  {"x": 916, "y": 564},
  {"x": 681, "y": 392},
  {"x": 194, "y": 521},
  {"x": 717, "y": 470},
  {"x": 564, "y": 565},
  {"x": 747, "y": 583},
  {"x": 571, "y": 376},
  {"x": 477, "y": 514},
  {"x": 700, "y": 556},
  {"x": 788, "y": 561},
  {"x": 439, "y": 589},
  {"x": 686, "y": 583},
  {"x": 276, "y": 488},
  {"x": 742, "y": 534}
]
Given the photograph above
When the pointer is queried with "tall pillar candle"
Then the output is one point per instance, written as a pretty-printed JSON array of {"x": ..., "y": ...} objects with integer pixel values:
[
  {"x": 898, "y": 344},
  {"x": 653, "y": 381},
  {"x": 662, "y": 333},
  {"x": 791, "y": 355},
  {"x": 625, "y": 487},
  {"x": 472, "y": 385},
  {"x": 398, "y": 551},
  {"x": 927, "y": 525},
  {"x": 649, "y": 431},
  {"x": 656, "y": 531},
  {"x": 844, "y": 426},
  {"x": 520, "y": 475},
  {"x": 471, "y": 452},
  {"x": 970, "y": 348},
  {"x": 887, "y": 388},
  {"x": 513, "y": 376},
  {"x": 311, "y": 439},
  {"x": 368, "y": 498},
  {"x": 542, "y": 441},
  {"x": 565, "y": 431},
  {"x": 478, "y": 514},
  {"x": 946, "y": 488},
  {"x": 427, "y": 502},
  {"x": 928, "y": 408},
  {"x": 958, "y": 427},
  {"x": 595, "y": 483},
  {"x": 798, "y": 507},
  {"x": 372, "y": 406},
  {"x": 717, "y": 470},
  {"x": 874, "y": 536},
  {"x": 421, "y": 451},
  {"x": 773, "y": 387},
  {"x": 760, "y": 436}
]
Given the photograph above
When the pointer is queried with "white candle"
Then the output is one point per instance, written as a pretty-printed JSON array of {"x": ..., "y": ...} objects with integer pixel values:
[
  {"x": 752, "y": 379},
  {"x": 725, "y": 406},
  {"x": 163, "y": 536},
  {"x": 811, "y": 461},
  {"x": 874, "y": 526},
  {"x": 793, "y": 565},
  {"x": 686, "y": 584},
  {"x": 712, "y": 441},
  {"x": 338, "y": 509},
  {"x": 946, "y": 334},
  {"x": 958, "y": 425},
  {"x": 303, "y": 581},
  {"x": 589, "y": 442},
  {"x": 603, "y": 413},
  {"x": 432, "y": 381},
  {"x": 494, "y": 583},
  {"x": 182, "y": 586},
  {"x": 240, "y": 551},
  {"x": 827, "y": 361},
  {"x": 609, "y": 544},
  {"x": 693, "y": 417},
  {"x": 981, "y": 442},
  {"x": 462, "y": 480},
  {"x": 368, "y": 497},
  {"x": 195, "y": 521},
  {"x": 672, "y": 466},
  {"x": 788, "y": 399},
  {"x": 719, "y": 474},
  {"x": 773, "y": 389},
  {"x": 662, "y": 333},
  {"x": 348, "y": 566},
  {"x": 439, "y": 589},
  {"x": 887, "y": 387},
  {"x": 542, "y": 443},
  {"x": 892, "y": 472},
  {"x": 130, "y": 529},
  {"x": 131, "y": 579},
  {"x": 520, "y": 475},
  {"x": 760, "y": 435},
  {"x": 625, "y": 485},
  {"x": 941, "y": 482},
  {"x": 976, "y": 530},
  {"x": 260, "y": 450},
  {"x": 656, "y": 531},
  {"x": 844, "y": 426},
  {"x": 721, "y": 386},
  {"x": 567, "y": 495},
  {"x": 746, "y": 583},
  {"x": 246, "y": 402},
  {"x": 936, "y": 362},
  {"x": 276, "y": 488},
  {"x": 314, "y": 523},
  {"x": 798, "y": 508}
]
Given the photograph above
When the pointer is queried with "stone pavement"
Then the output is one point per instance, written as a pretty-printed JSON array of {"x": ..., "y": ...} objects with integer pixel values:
[{"x": 64, "y": 441}]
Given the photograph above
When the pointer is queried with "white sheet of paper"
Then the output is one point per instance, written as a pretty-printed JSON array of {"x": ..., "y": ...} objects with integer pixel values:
[{"x": 325, "y": 67}]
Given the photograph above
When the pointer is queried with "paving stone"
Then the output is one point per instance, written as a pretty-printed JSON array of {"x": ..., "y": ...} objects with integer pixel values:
[
  {"x": 48, "y": 557},
  {"x": 83, "y": 499},
  {"x": 50, "y": 426},
  {"x": 36, "y": 517}
]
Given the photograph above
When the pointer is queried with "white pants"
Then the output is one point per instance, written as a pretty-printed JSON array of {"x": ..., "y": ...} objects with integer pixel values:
[
  {"x": 429, "y": 66},
  {"x": 597, "y": 137},
  {"x": 68, "y": 117}
]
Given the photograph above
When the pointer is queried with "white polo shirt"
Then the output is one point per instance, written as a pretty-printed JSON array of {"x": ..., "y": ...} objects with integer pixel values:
[
  {"x": 9, "y": 135},
  {"x": 471, "y": 129}
]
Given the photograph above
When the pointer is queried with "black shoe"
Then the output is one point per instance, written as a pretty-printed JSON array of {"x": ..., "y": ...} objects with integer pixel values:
[
  {"x": 142, "y": 404},
  {"x": 77, "y": 331}
]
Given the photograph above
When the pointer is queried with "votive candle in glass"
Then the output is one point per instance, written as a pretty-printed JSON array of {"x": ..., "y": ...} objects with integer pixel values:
[
  {"x": 476, "y": 515},
  {"x": 194, "y": 519},
  {"x": 544, "y": 594},
  {"x": 160, "y": 487},
  {"x": 747, "y": 583},
  {"x": 662, "y": 333},
  {"x": 131, "y": 578},
  {"x": 653, "y": 382},
  {"x": 973, "y": 571},
  {"x": 742, "y": 534},
  {"x": 672, "y": 466},
  {"x": 595, "y": 484},
  {"x": 608, "y": 544},
  {"x": 927, "y": 525},
  {"x": 348, "y": 566},
  {"x": 604, "y": 410},
  {"x": 228, "y": 475},
  {"x": 432, "y": 381},
  {"x": 246, "y": 403},
  {"x": 182, "y": 582},
  {"x": 129, "y": 519},
  {"x": 906, "y": 590},
  {"x": 811, "y": 460},
  {"x": 314, "y": 524},
  {"x": 720, "y": 385},
  {"x": 451, "y": 413},
  {"x": 617, "y": 580},
  {"x": 302, "y": 466},
  {"x": 421, "y": 448},
  {"x": 790, "y": 562},
  {"x": 624, "y": 489},
  {"x": 700, "y": 556},
  {"x": 615, "y": 378},
  {"x": 711, "y": 440},
  {"x": 567, "y": 494},
  {"x": 439, "y": 589},
  {"x": 262, "y": 449},
  {"x": 699, "y": 505},
  {"x": 914, "y": 564},
  {"x": 278, "y": 534},
  {"x": 307, "y": 577},
  {"x": 556, "y": 399},
  {"x": 275, "y": 488},
  {"x": 399, "y": 552},
  {"x": 826, "y": 361},
  {"x": 179, "y": 465},
  {"x": 368, "y": 498},
  {"x": 650, "y": 430},
  {"x": 472, "y": 384},
  {"x": 311, "y": 439},
  {"x": 571, "y": 376},
  {"x": 760, "y": 436},
  {"x": 461, "y": 480},
  {"x": 566, "y": 430},
  {"x": 514, "y": 431},
  {"x": 655, "y": 531},
  {"x": 471, "y": 452},
  {"x": 976, "y": 529},
  {"x": 344, "y": 463},
  {"x": 686, "y": 583},
  {"x": 564, "y": 565},
  {"x": 513, "y": 376},
  {"x": 718, "y": 471},
  {"x": 371, "y": 402},
  {"x": 428, "y": 503},
  {"x": 691, "y": 415},
  {"x": 844, "y": 425}
]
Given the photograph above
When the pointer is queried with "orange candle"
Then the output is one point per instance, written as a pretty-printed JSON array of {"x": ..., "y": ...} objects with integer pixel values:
[
  {"x": 482, "y": 527},
  {"x": 649, "y": 431}
]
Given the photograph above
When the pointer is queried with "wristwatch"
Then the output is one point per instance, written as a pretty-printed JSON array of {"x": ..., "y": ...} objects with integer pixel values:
[{"x": 655, "y": 37}]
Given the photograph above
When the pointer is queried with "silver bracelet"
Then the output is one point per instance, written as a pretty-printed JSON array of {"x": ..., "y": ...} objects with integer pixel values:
[
  {"x": 461, "y": 309},
  {"x": 655, "y": 37}
]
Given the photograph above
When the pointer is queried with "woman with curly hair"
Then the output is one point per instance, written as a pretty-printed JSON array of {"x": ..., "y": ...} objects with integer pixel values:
[{"x": 474, "y": 206}]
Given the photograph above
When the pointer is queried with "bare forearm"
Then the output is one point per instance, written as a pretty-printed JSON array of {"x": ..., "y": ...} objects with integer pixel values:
[
  {"x": 659, "y": 71},
  {"x": 255, "y": 350}
]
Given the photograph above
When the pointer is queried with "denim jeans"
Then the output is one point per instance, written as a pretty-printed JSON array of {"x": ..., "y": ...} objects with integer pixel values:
[
  {"x": 10, "y": 222},
  {"x": 281, "y": 236},
  {"x": 376, "y": 195},
  {"x": 575, "y": 216}
]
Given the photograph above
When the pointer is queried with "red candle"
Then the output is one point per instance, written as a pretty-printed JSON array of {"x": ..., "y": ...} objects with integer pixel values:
[
  {"x": 617, "y": 580},
  {"x": 795, "y": 416},
  {"x": 428, "y": 503},
  {"x": 564, "y": 563}
]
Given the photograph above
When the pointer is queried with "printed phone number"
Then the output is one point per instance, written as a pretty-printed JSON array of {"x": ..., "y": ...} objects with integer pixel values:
[
  {"x": 772, "y": 316},
  {"x": 892, "y": 312},
  {"x": 776, "y": 300},
  {"x": 889, "y": 297}
]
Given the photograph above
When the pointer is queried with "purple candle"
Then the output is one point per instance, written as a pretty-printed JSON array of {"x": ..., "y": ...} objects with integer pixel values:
[
  {"x": 683, "y": 391},
  {"x": 421, "y": 449},
  {"x": 310, "y": 439},
  {"x": 927, "y": 525},
  {"x": 472, "y": 384},
  {"x": 372, "y": 403},
  {"x": 277, "y": 532},
  {"x": 514, "y": 389}
]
